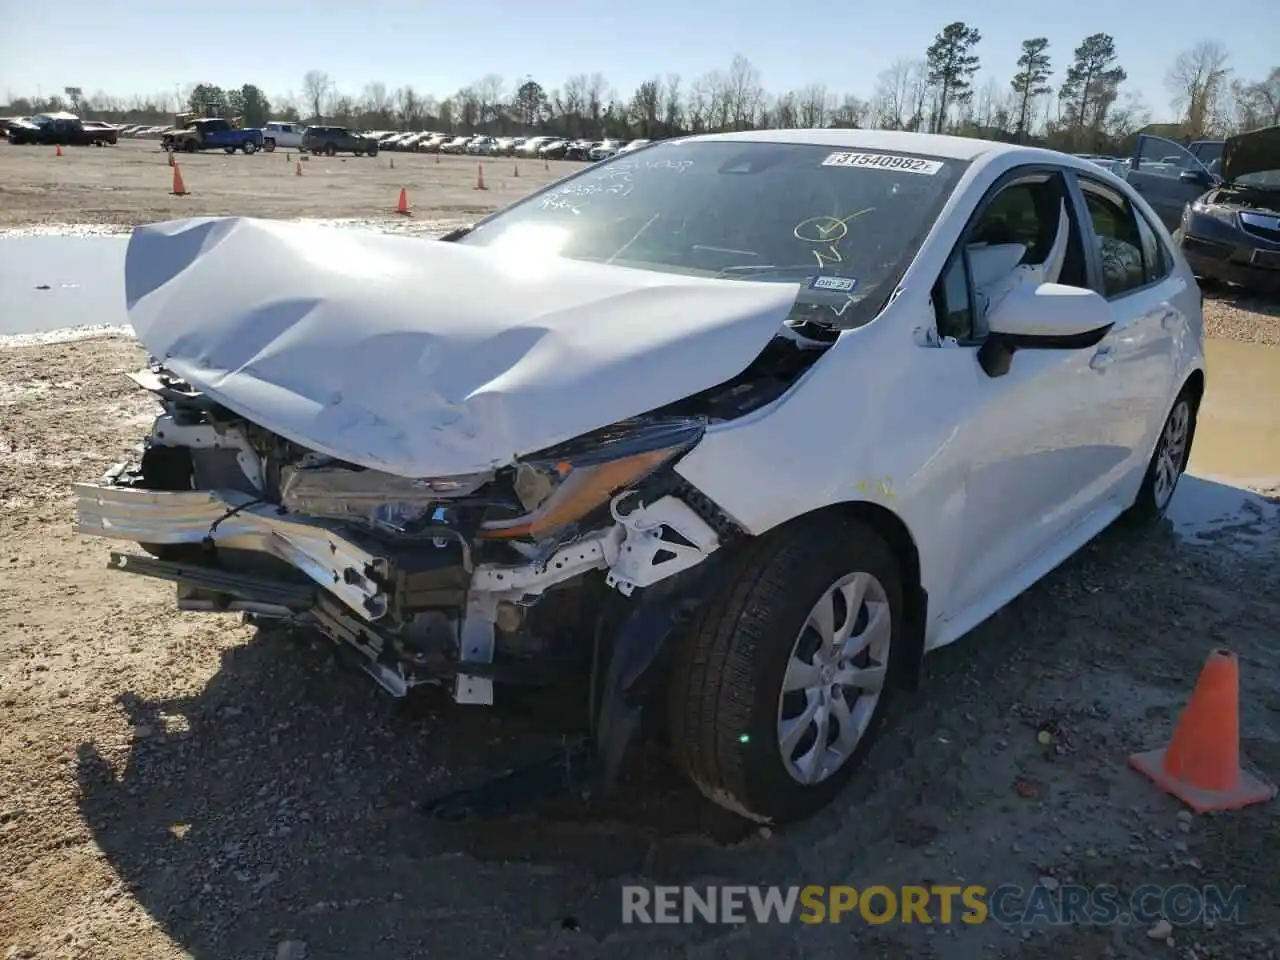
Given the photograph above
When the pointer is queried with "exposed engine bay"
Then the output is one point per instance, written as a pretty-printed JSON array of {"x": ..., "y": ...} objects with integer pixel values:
[{"x": 459, "y": 581}]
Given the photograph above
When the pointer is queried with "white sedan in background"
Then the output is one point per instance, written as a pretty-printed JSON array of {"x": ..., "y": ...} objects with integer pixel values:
[{"x": 751, "y": 422}]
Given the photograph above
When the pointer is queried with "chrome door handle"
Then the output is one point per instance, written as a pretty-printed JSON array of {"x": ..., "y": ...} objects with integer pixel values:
[{"x": 1103, "y": 358}]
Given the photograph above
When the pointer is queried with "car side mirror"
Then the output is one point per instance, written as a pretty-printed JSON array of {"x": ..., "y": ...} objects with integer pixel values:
[
  {"x": 1197, "y": 177},
  {"x": 1051, "y": 316}
]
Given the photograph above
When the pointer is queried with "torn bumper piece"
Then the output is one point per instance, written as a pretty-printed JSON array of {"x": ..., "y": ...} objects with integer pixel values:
[{"x": 358, "y": 588}]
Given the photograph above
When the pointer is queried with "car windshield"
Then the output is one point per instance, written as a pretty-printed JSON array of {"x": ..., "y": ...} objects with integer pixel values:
[
  {"x": 1260, "y": 180},
  {"x": 844, "y": 222}
]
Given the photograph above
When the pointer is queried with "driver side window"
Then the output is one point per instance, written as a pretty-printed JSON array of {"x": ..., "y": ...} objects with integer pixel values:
[{"x": 1027, "y": 225}]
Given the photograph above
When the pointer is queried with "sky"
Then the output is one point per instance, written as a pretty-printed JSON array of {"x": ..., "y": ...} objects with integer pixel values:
[{"x": 129, "y": 47}]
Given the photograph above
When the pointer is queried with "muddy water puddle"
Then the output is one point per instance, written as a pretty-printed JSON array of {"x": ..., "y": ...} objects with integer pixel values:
[{"x": 1238, "y": 435}]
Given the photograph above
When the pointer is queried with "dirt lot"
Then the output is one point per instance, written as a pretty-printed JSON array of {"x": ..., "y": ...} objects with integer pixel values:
[
  {"x": 177, "y": 785},
  {"x": 131, "y": 183}
]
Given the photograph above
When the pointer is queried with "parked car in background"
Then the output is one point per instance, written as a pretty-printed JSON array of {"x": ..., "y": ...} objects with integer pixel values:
[
  {"x": 1232, "y": 232},
  {"x": 1209, "y": 153},
  {"x": 456, "y": 145},
  {"x": 282, "y": 133},
  {"x": 553, "y": 149},
  {"x": 671, "y": 519},
  {"x": 482, "y": 146},
  {"x": 531, "y": 146},
  {"x": 53, "y": 129},
  {"x": 212, "y": 133},
  {"x": 104, "y": 134},
  {"x": 579, "y": 149},
  {"x": 604, "y": 150},
  {"x": 634, "y": 145},
  {"x": 331, "y": 140}
]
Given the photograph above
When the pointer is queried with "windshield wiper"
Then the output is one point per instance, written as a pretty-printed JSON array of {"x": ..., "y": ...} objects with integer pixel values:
[{"x": 806, "y": 268}]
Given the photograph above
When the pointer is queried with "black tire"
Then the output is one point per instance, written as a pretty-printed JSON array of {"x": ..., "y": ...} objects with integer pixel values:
[
  {"x": 229, "y": 149},
  {"x": 1152, "y": 502},
  {"x": 269, "y": 145},
  {"x": 189, "y": 146},
  {"x": 725, "y": 687},
  {"x": 330, "y": 150},
  {"x": 249, "y": 147},
  {"x": 358, "y": 153}
]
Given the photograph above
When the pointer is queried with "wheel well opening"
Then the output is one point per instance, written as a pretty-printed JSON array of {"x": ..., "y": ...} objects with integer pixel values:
[
  {"x": 895, "y": 533},
  {"x": 1194, "y": 387}
]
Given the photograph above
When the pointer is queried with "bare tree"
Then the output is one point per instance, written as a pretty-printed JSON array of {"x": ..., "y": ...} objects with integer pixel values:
[
  {"x": 598, "y": 94},
  {"x": 744, "y": 92},
  {"x": 893, "y": 94},
  {"x": 316, "y": 87},
  {"x": 671, "y": 111},
  {"x": 697, "y": 104},
  {"x": 813, "y": 105},
  {"x": 488, "y": 94},
  {"x": 377, "y": 101},
  {"x": 1256, "y": 104},
  {"x": 1198, "y": 81}
]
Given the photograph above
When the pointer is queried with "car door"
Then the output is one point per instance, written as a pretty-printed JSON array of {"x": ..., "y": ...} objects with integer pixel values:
[
  {"x": 1036, "y": 450},
  {"x": 1168, "y": 176},
  {"x": 1132, "y": 269}
]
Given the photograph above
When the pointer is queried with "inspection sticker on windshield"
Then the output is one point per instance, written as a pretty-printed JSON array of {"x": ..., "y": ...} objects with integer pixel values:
[
  {"x": 839, "y": 284},
  {"x": 884, "y": 161}
]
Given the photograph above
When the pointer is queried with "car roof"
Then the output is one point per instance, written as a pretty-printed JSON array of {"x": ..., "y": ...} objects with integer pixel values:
[
  {"x": 933, "y": 144},
  {"x": 980, "y": 152}
]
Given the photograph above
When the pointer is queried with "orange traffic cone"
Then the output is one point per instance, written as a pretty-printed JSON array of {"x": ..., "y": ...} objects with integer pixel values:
[
  {"x": 297, "y": 168},
  {"x": 516, "y": 170},
  {"x": 179, "y": 188},
  {"x": 57, "y": 151},
  {"x": 1201, "y": 765},
  {"x": 403, "y": 206},
  {"x": 480, "y": 177}
]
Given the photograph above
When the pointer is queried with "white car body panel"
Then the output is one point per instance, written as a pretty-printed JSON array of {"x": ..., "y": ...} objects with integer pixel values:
[
  {"x": 334, "y": 348},
  {"x": 1041, "y": 460}
]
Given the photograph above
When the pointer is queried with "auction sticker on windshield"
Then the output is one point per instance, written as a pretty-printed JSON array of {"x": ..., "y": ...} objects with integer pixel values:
[{"x": 884, "y": 161}]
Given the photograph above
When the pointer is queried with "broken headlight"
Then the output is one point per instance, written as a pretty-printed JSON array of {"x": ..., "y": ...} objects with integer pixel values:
[{"x": 562, "y": 485}]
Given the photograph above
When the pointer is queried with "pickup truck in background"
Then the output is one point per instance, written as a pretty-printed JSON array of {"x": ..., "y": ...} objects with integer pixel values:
[
  {"x": 282, "y": 133},
  {"x": 212, "y": 133},
  {"x": 61, "y": 129}
]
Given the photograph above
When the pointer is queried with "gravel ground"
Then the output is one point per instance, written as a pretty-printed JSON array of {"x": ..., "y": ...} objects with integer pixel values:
[{"x": 179, "y": 785}]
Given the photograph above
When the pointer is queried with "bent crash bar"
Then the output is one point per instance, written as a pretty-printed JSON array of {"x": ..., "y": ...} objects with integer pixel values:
[{"x": 235, "y": 520}]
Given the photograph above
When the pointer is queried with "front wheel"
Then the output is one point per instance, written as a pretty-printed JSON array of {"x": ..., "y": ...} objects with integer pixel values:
[
  {"x": 357, "y": 153},
  {"x": 229, "y": 149},
  {"x": 1168, "y": 462},
  {"x": 782, "y": 681},
  {"x": 249, "y": 147},
  {"x": 269, "y": 145}
]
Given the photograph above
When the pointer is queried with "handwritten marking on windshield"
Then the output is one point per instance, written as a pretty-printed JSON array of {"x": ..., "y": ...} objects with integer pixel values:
[{"x": 827, "y": 232}]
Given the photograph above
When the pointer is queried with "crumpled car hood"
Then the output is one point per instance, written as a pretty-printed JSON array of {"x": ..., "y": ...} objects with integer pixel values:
[
  {"x": 423, "y": 358},
  {"x": 1251, "y": 152}
]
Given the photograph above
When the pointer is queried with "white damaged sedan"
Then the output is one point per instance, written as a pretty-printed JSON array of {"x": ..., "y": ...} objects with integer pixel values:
[{"x": 726, "y": 433}]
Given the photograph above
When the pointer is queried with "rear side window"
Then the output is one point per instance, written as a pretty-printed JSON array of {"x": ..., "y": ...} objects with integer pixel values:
[
  {"x": 1156, "y": 261},
  {"x": 1118, "y": 241}
]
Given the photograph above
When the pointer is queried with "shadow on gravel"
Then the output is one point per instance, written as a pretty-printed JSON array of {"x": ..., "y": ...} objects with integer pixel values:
[{"x": 280, "y": 802}]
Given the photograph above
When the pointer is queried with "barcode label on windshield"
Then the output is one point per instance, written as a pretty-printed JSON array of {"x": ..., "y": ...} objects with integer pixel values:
[{"x": 884, "y": 161}]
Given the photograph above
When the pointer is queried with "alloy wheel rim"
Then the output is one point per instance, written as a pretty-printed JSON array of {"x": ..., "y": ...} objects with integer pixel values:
[
  {"x": 834, "y": 679},
  {"x": 1171, "y": 453}
]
